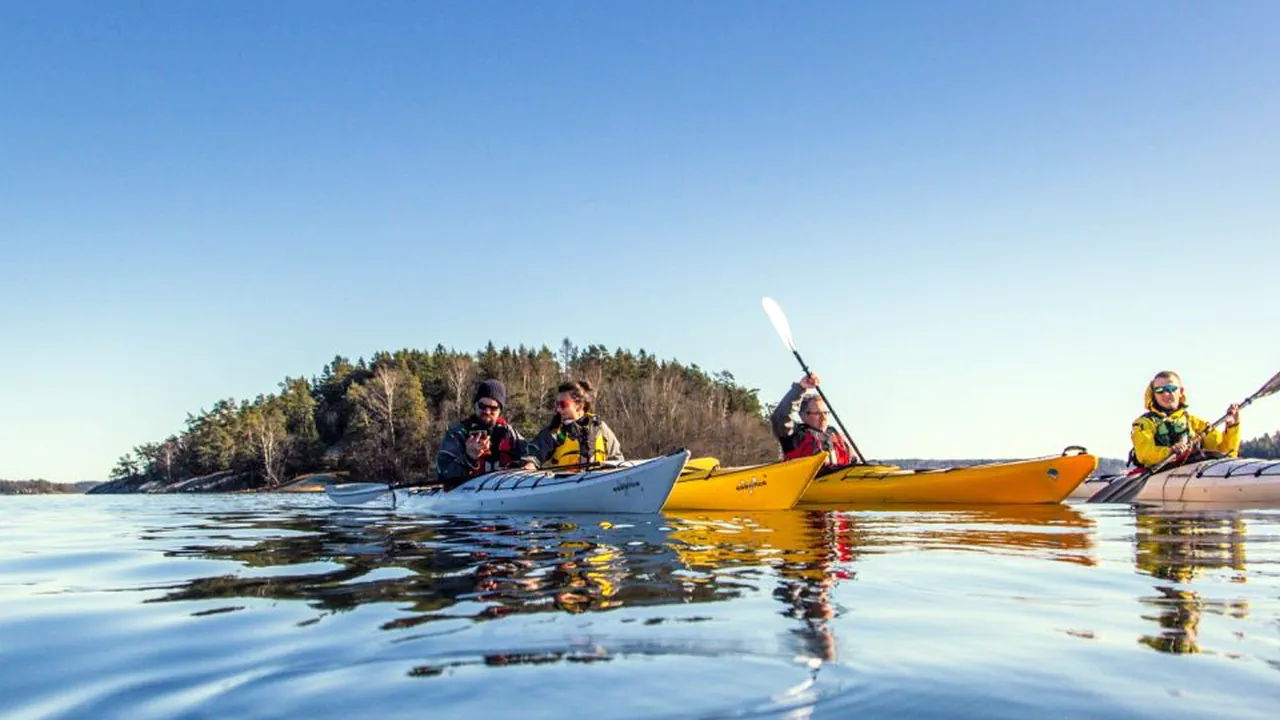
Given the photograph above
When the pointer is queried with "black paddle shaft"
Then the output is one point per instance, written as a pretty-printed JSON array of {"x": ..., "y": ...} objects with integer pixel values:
[{"x": 856, "y": 451}]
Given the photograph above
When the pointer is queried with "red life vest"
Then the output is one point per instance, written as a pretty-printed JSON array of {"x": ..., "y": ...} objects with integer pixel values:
[{"x": 808, "y": 440}]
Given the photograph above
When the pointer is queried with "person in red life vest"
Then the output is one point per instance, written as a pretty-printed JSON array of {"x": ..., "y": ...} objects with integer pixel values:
[
  {"x": 483, "y": 442},
  {"x": 813, "y": 434}
]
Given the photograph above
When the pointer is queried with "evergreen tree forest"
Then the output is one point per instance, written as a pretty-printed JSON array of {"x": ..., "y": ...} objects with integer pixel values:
[
  {"x": 1266, "y": 447},
  {"x": 383, "y": 419}
]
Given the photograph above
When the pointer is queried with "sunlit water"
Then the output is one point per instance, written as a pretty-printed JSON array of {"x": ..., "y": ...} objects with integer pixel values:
[{"x": 252, "y": 606}]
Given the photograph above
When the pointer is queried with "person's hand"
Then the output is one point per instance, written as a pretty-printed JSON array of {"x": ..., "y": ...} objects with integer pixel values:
[
  {"x": 810, "y": 381},
  {"x": 1233, "y": 415},
  {"x": 477, "y": 446},
  {"x": 529, "y": 465},
  {"x": 1181, "y": 447}
]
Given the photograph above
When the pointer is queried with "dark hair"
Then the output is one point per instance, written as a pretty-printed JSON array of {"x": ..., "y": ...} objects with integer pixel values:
[
  {"x": 581, "y": 391},
  {"x": 807, "y": 402}
]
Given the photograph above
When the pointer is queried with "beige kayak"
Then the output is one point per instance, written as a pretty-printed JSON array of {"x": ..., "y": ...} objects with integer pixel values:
[{"x": 1225, "y": 480}]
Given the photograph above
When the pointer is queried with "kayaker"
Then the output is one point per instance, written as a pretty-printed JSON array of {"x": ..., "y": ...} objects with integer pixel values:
[
  {"x": 1167, "y": 428},
  {"x": 813, "y": 434},
  {"x": 576, "y": 436},
  {"x": 483, "y": 442}
]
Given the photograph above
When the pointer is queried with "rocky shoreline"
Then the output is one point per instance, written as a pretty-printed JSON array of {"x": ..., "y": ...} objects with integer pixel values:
[{"x": 226, "y": 481}]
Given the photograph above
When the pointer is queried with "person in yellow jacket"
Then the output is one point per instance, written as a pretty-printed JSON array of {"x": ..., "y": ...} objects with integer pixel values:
[
  {"x": 1167, "y": 428},
  {"x": 575, "y": 436}
]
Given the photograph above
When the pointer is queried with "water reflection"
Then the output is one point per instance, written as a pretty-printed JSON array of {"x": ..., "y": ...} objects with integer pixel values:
[
  {"x": 803, "y": 552},
  {"x": 447, "y": 568},
  {"x": 1050, "y": 531},
  {"x": 271, "y": 603},
  {"x": 1180, "y": 546}
]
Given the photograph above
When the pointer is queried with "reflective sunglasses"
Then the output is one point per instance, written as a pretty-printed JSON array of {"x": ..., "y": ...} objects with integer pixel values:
[{"x": 1161, "y": 389}]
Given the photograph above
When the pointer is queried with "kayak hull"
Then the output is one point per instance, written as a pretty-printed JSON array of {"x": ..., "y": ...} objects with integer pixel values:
[
  {"x": 1226, "y": 480},
  {"x": 776, "y": 486},
  {"x": 636, "y": 487},
  {"x": 1039, "y": 480}
]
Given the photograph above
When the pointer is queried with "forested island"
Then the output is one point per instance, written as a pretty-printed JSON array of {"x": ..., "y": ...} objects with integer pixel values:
[{"x": 382, "y": 419}]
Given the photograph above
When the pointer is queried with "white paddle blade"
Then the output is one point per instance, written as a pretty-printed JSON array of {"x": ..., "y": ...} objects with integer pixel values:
[
  {"x": 356, "y": 493},
  {"x": 779, "y": 322}
]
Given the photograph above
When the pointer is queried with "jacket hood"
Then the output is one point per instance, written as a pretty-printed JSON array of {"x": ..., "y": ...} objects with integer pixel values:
[{"x": 1149, "y": 401}]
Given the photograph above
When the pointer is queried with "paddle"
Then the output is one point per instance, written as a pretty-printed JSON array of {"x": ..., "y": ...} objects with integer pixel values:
[
  {"x": 578, "y": 467},
  {"x": 357, "y": 493},
  {"x": 361, "y": 493},
  {"x": 781, "y": 325},
  {"x": 1126, "y": 489}
]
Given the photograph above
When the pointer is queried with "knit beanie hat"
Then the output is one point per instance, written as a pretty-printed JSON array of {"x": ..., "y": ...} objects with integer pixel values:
[{"x": 494, "y": 390}]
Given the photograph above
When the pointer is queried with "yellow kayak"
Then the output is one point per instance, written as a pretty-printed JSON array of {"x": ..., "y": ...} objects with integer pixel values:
[
  {"x": 1040, "y": 480},
  {"x": 777, "y": 486}
]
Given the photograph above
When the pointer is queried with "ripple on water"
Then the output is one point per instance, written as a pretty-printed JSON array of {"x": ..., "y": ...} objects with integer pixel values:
[{"x": 599, "y": 680}]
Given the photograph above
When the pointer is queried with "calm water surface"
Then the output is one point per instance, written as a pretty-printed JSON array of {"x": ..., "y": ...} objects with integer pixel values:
[{"x": 287, "y": 606}]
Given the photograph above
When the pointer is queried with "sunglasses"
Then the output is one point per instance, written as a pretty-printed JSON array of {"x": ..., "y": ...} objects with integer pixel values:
[
  {"x": 491, "y": 407},
  {"x": 562, "y": 404},
  {"x": 819, "y": 413},
  {"x": 1161, "y": 389}
]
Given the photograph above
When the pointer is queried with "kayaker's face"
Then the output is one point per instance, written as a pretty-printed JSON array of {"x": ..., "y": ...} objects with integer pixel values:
[
  {"x": 569, "y": 408},
  {"x": 815, "y": 414},
  {"x": 1168, "y": 393},
  {"x": 488, "y": 411}
]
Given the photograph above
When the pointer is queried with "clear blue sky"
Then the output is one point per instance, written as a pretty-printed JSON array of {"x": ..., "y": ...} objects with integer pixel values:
[{"x": 988, "y": 222}]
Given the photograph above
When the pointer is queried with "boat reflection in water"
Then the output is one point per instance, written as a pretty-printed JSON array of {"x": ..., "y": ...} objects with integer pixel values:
[
  {"x": 804, "y": 551},
  {"x": 1179, "y": 544},
  {"x": 452, "y": 567},
  {"x": 447, "y": 569},
  {"x": 810, "y": 552},
  {"x": 1051, "y": 531}
]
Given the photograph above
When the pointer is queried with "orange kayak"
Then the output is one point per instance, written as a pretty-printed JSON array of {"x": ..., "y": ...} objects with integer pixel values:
[{"x": 1039, "y": 480}]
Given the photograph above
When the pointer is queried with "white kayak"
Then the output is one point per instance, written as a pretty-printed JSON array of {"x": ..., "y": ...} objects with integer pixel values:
[
  {"x": 1224, "y": 480},
  {"x": 637, "y": 486}
]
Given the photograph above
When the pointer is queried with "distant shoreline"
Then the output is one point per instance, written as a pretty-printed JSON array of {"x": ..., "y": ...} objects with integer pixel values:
[{"x": 45, "y": 487}]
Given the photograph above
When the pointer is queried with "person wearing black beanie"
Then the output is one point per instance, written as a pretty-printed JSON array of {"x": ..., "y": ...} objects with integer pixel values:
[{"x": 483, "y": 442}]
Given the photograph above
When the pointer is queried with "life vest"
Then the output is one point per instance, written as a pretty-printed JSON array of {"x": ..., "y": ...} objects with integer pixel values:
[
  {"x": 1168, "y": 430},
  {"x": 575, "y": 443},
  {"x": 502, "y": 444},
  {"x": 808, "y": 440}
]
